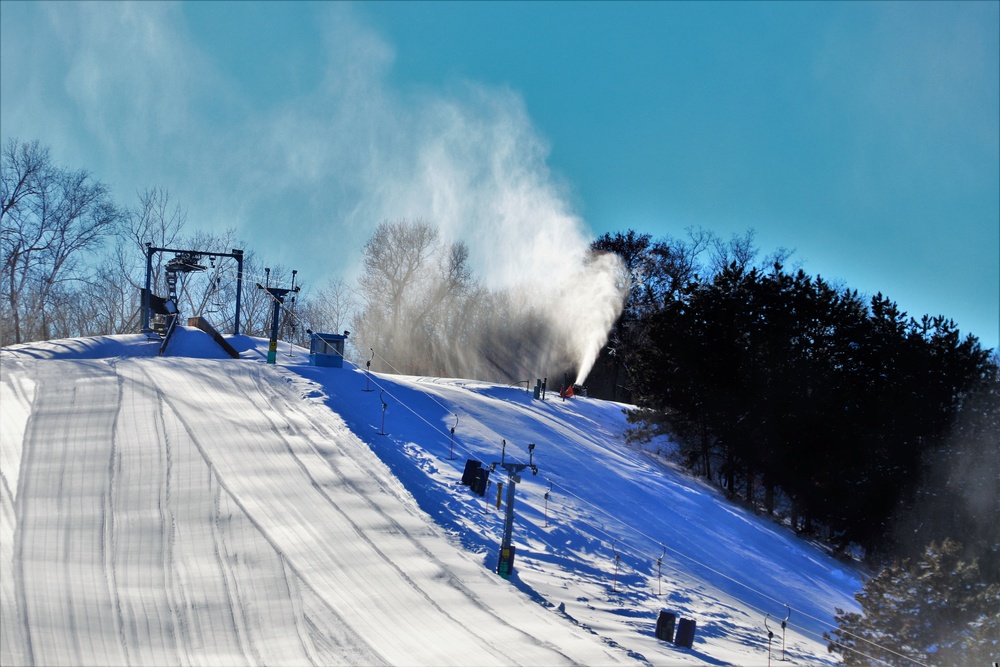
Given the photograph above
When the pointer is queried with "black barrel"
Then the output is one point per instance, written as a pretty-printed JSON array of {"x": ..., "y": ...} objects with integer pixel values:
[
  {"x": 480, "y": 482},
  {"x": 685, "y": 633},
  {"x": 665, "y": 625},
  {"x": 469, "y": 476}
]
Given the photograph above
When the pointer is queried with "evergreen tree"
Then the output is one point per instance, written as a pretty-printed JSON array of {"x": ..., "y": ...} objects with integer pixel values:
[
  {"x": 936, "y": 610},
  {"x": 778, "y": 381}
]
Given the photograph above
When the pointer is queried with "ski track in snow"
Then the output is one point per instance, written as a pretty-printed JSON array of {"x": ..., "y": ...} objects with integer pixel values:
[
  {"x": 16, "y": 397},
  {"x": 62, "y": 516}
]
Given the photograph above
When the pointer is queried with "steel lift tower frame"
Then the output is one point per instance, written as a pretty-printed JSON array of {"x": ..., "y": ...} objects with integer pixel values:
[
  {"x": 505, "y": 561},
  {"x": 195, "y": 255}
]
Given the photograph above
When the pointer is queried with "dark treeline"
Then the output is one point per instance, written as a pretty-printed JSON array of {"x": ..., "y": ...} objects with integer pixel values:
[{"x": 841, "y": 413}]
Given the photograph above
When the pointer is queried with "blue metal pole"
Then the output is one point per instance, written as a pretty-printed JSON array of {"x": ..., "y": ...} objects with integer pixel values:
[
  {"x": 145, "y": 296},
  {"x": 272, "y": 348}
]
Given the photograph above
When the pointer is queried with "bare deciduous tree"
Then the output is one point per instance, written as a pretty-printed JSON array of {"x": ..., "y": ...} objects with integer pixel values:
[
  {"x": 50, "y": 218},
  {"x": 114, "y": 292},
  {"x": 414, "y": 291},
  {"x": 330, "y": 309},
  {"x": 394, "y": 264}
]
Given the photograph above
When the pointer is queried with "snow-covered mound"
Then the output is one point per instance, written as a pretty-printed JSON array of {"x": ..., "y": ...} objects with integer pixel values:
[{"x": 194, "y": 508}]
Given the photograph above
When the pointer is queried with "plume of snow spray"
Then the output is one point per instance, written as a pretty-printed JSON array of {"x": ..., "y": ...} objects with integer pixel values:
[
  {"x": 482, "y": 176},
  {"x": 472, "y": 163}
]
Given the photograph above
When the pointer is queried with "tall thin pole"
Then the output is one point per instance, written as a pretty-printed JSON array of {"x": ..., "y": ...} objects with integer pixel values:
[
  {"x": 547, "y": 494},
  {"x": 368, "y": 372},
  {"x": 451, "y": 451},
  {"x": 617, "y": 559},
  {"x": 291, "y": 316},
  {"x": 770, "y": 636},
  {"x": 145, "y": 296},
  {"x": 505, "y": 562},
  {"x": 272, "y": 349},
  {"x": 277, "y": 299},
  {"x": 384, "y": 406},
  {"x": 659, "y": 570},
  {"x": 239, "y": 288},
  {"x": 784, "y": 624}
]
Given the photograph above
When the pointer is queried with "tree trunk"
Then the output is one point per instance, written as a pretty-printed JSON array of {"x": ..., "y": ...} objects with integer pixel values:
[
  {"x": 730, "y": 474},
  {"x": 705, "y": 453},
  {"x": 14, "y": 305},
  {"x": 769, "y": 495}
]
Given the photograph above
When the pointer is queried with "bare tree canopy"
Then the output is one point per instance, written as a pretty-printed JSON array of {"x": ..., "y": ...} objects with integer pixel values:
[{"x": 50, "y": 217}]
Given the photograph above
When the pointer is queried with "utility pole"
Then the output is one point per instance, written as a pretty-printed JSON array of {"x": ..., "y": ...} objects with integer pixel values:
[
  {"x": 505, "y": 562},
  {"x": 278, "y": 295}
]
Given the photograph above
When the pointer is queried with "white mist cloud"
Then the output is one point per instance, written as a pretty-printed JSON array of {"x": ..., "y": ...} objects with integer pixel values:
[{"x": 136, "y": 83}]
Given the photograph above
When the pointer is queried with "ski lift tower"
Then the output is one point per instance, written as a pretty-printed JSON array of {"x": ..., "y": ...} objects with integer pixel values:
[
  {"x": 278, "y": 295},
  {"x": 185, "y": 261},
  {"x": 505, "y": 561}
]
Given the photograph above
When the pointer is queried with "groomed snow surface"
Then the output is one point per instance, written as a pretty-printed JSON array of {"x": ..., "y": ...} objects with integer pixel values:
[{"x": 197, "y": 509}]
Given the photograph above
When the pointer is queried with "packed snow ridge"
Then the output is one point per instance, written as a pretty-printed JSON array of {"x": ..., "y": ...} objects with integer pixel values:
[{"x": 197, "y": 509}]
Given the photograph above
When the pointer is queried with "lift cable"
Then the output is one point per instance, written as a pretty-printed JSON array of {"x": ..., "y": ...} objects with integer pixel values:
[{"x": 747, "y": 586}]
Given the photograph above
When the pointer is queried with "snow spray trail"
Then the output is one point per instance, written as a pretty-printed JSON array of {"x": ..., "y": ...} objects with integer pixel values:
[{"x": 470, "y": 162}]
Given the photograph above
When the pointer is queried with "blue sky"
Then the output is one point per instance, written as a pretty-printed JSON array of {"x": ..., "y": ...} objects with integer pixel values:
[{"x": 865, "y": 136}]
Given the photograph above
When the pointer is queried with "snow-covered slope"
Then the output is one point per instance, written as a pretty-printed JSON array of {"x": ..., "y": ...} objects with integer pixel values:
[{"x": 195, "y": 509}]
